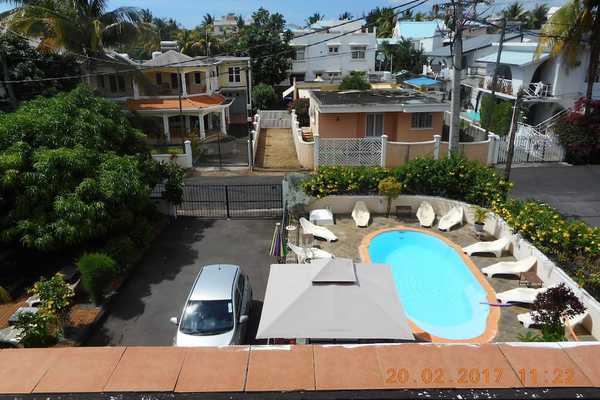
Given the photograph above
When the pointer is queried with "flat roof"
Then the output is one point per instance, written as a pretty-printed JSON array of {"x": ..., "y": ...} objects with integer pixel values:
[
  {"x": 189, "y": 103},
  {"x": 375, "y": 97}
]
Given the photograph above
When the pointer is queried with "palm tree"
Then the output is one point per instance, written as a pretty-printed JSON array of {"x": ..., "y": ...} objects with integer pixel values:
[
  {"x": 515, "y": 12},
  {"x": 573, "y": 29},
  {"x": 384, "y": 19},
  {"x": 346, "y": 15},
  {"x": 190, "y": 42},
  {"x": 208, "y": 20},
  {"x": 537, "y": 16},
  {"x": 313, "y": 19},
  {"x": 81, "y": 26}
]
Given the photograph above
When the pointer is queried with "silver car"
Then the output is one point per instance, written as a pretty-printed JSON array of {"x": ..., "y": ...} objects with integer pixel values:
[{"x": 217, "y": 309}]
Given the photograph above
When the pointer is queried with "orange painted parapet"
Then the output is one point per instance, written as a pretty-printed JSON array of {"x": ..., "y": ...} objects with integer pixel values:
[
  {"x": 189, "y": 103},
  {"x": 494, "y": 313}
]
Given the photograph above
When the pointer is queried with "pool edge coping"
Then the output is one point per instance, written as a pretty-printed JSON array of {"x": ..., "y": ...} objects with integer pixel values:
[{"x": 493, "y": 318}]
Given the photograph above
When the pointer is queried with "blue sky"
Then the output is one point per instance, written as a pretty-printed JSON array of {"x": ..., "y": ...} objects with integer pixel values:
[{"x": 190, "y": 12}]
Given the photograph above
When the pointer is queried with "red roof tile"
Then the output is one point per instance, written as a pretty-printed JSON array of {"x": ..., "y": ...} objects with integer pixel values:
[{"x": 189, "y": 103}]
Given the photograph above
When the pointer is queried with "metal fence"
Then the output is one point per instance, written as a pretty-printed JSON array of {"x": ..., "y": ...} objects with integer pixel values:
[
  {"x": 261, "y": 201},
  {"x": 531, "y": 149},
  {"x": 359, "y": 151},
  {"x": 275, "y": 119}
]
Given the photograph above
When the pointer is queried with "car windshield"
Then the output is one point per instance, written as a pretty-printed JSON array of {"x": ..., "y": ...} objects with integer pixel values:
[{"x": 207, "y": 317}]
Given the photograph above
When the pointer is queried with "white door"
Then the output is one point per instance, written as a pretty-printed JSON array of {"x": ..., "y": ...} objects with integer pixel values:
[{"x": 374, "y": 126}]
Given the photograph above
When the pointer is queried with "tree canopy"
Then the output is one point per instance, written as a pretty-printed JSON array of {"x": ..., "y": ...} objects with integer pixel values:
[
  {"x": 266, "y": 41},
  {"x": 72, "y": 170},
  {"x": 355, "y": 81},
  {"x": 403, "y": 56},
  {"x": 384, "y": 19}
]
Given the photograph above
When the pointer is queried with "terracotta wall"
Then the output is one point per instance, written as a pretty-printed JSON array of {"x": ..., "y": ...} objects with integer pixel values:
[
  {"x": 342, "y": 125},
  {"x": 404, "y": 132},
  {"x": 399, "y": 153},
  {"x": 475, "y": 151}
]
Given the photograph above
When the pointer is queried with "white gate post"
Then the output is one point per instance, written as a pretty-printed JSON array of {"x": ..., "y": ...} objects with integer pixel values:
[
  {"x": 383, "y": 149},
  {"x": 316, "y": 151},
  {"x": 495, "y": 144},
  {"x": 436, "y": 146},
  {"x": 491, "y": 149}
]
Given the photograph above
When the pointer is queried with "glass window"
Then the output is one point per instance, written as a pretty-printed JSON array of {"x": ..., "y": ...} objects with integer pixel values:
[
  {"x": 240, "y": 294},
  {"x": 374, "y": 124},
  {"x": 234, "y": 74},
  {"x": 333, "y": 49},
  {"x": 358, "y": 52},
  {"x": 300, "y": 53},
  {"x": 197, "y": 78},
  {"x": 121, "y": 82},
  {"x": 100, "y": 81},
  {"x": 421, "y": 120},
  {"x": 208, "y": 317},
  {"x": 158, "y": 78},
  {"x": 112, "y": 82},
  {"x": 174, "y": 81}
]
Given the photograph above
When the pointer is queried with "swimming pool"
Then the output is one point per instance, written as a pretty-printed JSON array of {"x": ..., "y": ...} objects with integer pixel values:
[{"x": 441, "y": 294}]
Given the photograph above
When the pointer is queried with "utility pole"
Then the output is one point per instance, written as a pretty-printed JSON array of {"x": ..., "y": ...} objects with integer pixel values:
[
  {"x": 512, "y": 134},
  {"x": 495, "y": 76},
  {"x": 454, "y": 136}
]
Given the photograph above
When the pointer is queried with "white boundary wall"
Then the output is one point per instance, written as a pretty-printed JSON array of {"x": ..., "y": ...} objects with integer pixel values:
[
  {"x": 547, "y": 271},
  {"x": 305, "y": 151},
  {"x": 185, "y": 160}
]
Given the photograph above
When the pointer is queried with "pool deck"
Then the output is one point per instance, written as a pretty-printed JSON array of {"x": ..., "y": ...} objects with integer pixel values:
[{"x": 350, "y": 238}]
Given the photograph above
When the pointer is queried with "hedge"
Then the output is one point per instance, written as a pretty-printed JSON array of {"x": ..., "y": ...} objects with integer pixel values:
[{"x": 572, "y": 244}]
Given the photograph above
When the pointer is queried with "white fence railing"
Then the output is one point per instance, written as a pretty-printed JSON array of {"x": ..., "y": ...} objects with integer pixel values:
[
  {"x": 531, "y": 148},
  {"x": 275, "y": 119}
]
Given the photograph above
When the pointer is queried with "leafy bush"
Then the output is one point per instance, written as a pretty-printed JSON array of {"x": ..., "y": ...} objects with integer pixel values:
[
  {"x": 263, "y": 97},
  {"x": 173, "y": 192},
  {"x": 553, "y": 307},
  {"x": 390, "y": 188},
  {"x": 121, "y": 249},
  {"x": 580, "y": 134},
  {"x": 97, "y": 271},
  {"x": 496, "y": 116},
  {"x": 301, "y": 107},
  {"x": 55, "y": 296},
  {"x": 453, "y": 177},
  {"x": 37, "y": 330},
  {"x": 356, "y": 80}
]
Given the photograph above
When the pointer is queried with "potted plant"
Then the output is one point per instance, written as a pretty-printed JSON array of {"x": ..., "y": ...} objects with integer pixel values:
[{"x": 480, "y": 214}]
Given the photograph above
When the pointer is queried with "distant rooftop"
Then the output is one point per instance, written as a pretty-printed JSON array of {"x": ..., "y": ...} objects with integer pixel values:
[
  {"x": 475, "y": 43},
  {"x": 514, "y": 57},
  {"x": 174, "y": 58},
  {"x": 375, "y": 97}
]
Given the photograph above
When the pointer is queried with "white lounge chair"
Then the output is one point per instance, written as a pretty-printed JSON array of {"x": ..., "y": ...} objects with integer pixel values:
[
  {"x": 495, "y": 246},
  {"x": 510, "y": 267},
  {"x": 317, "y": 231},
  {"x": 453, "y": 217},
  {"x": 361, "y": 214},
  {"x": 527, "y": 319},
  {"x": 520, "y": 295},
  {"x": 304, "y": 254},
  {"x": 425, "y": 215}
]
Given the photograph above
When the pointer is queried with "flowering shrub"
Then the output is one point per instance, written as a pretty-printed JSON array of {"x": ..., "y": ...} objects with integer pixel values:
[
  {"x": 580, "y": 134},
  {"x": 454, "y": 178}
]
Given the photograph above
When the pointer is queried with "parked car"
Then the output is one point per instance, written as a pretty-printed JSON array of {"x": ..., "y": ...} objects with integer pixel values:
[{"x": 217, "y": 309}]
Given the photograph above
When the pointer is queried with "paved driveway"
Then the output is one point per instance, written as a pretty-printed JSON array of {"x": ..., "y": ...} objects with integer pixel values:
[
  {"x": 573, "y": 190},
  {"x": 139, "y": 314}
]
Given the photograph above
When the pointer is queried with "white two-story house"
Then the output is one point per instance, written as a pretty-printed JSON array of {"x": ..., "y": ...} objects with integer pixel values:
[
  {"x": 332, "y": 53},
  {"x": 178, "y": 95}
]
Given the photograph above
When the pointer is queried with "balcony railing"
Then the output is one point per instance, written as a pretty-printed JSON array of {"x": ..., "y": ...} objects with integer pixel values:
[
  {"x": 502, "y": 85},
  {"x": 539, "y": 89}
]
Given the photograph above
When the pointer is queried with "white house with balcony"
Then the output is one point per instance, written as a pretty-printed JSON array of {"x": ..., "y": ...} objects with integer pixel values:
[
  {"x": 180, "y": 96},
  {"x": 332, "y": 53}
]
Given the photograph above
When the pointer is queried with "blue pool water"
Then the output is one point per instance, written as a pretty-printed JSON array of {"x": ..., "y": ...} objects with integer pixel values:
[
  {"x": 439, "y": 292},
  {"x": 472, "y": 115}
]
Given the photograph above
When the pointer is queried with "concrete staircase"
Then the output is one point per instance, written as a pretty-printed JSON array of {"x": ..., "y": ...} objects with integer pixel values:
[{"x": 275, "y": 150}]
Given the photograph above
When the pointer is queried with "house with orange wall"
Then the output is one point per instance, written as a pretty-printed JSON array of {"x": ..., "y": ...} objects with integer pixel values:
[{"x": 404, "y": 115}]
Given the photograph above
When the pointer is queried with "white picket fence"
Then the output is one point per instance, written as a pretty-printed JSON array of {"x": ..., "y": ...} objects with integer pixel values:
[
  {"x": 531, "y": 148},
  {"x": 275, "y": 119},
  {"x": 350, "y": 151}
]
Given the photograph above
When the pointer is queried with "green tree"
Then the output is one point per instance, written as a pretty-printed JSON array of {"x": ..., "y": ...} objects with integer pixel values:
[
  {"x": 73, "y": 170},
  {"x": 263, "y": 97},
  {"x": 496, "y": 115},
  {"x": 553, "y": 307},
  {"x": 515, "y": 11},
  {"x": 191, "y": 42},
  {"x": 572, "y": 30},
  {"x": 355, "y": 81},
  {"x": 384, "y": 19},
  {"x": 346, "y": 15},
  {"x": 313, "y": 19},
  {"x": 404, "y": 56},
  {"x": 55, "y": 296},
  {"x": 97, "y": 272},
  {"x": 82, "y": 26},
  {"x": 391, "y": 188},
  {"x": 21, "y": 62},
  {"x": 266, "y": 41},
  {"x": 537, "y": 16}
]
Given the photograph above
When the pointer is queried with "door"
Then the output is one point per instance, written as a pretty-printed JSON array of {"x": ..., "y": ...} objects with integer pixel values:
[{"x": 374, "y": 125}]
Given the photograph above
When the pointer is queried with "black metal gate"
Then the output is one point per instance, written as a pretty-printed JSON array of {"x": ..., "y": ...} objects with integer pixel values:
[{"x": 263, "y": 201}]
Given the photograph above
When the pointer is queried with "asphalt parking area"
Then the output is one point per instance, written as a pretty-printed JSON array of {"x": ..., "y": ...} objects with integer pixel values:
[{"x": 139, "y": 314}]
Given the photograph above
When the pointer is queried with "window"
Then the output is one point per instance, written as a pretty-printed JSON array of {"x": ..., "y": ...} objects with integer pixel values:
[
  {"x": 121, "y": 82},
  {"x": 239, "y": 292},
  {"x": 374, "y": 124},
  {"x": 112, "y": 82},
  {"x": 358, "y": 52},
  {"x": 207, "y": 317},
  {"x": 100, "y": 81},
  {"x": 174, "y": 81},
  {"x": 234, "y": 74},
  {"x": 333, "y": 49},
  {"x": 159, "y": 78},
  {"x": 334, "y": 75},
  {"x": 421, "y": 121},
  {"x": 300, "y": 53},
  {"x": 197, "y": 78}
]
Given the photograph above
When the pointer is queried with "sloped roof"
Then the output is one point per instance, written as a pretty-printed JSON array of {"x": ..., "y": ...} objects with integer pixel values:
[
  {"x": 334, "y": 307},
  {"x": 511, "y": 57}
]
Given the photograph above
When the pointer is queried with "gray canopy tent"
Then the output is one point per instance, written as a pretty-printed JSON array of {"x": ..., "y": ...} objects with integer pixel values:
[{"x": 332, "y": 300}]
